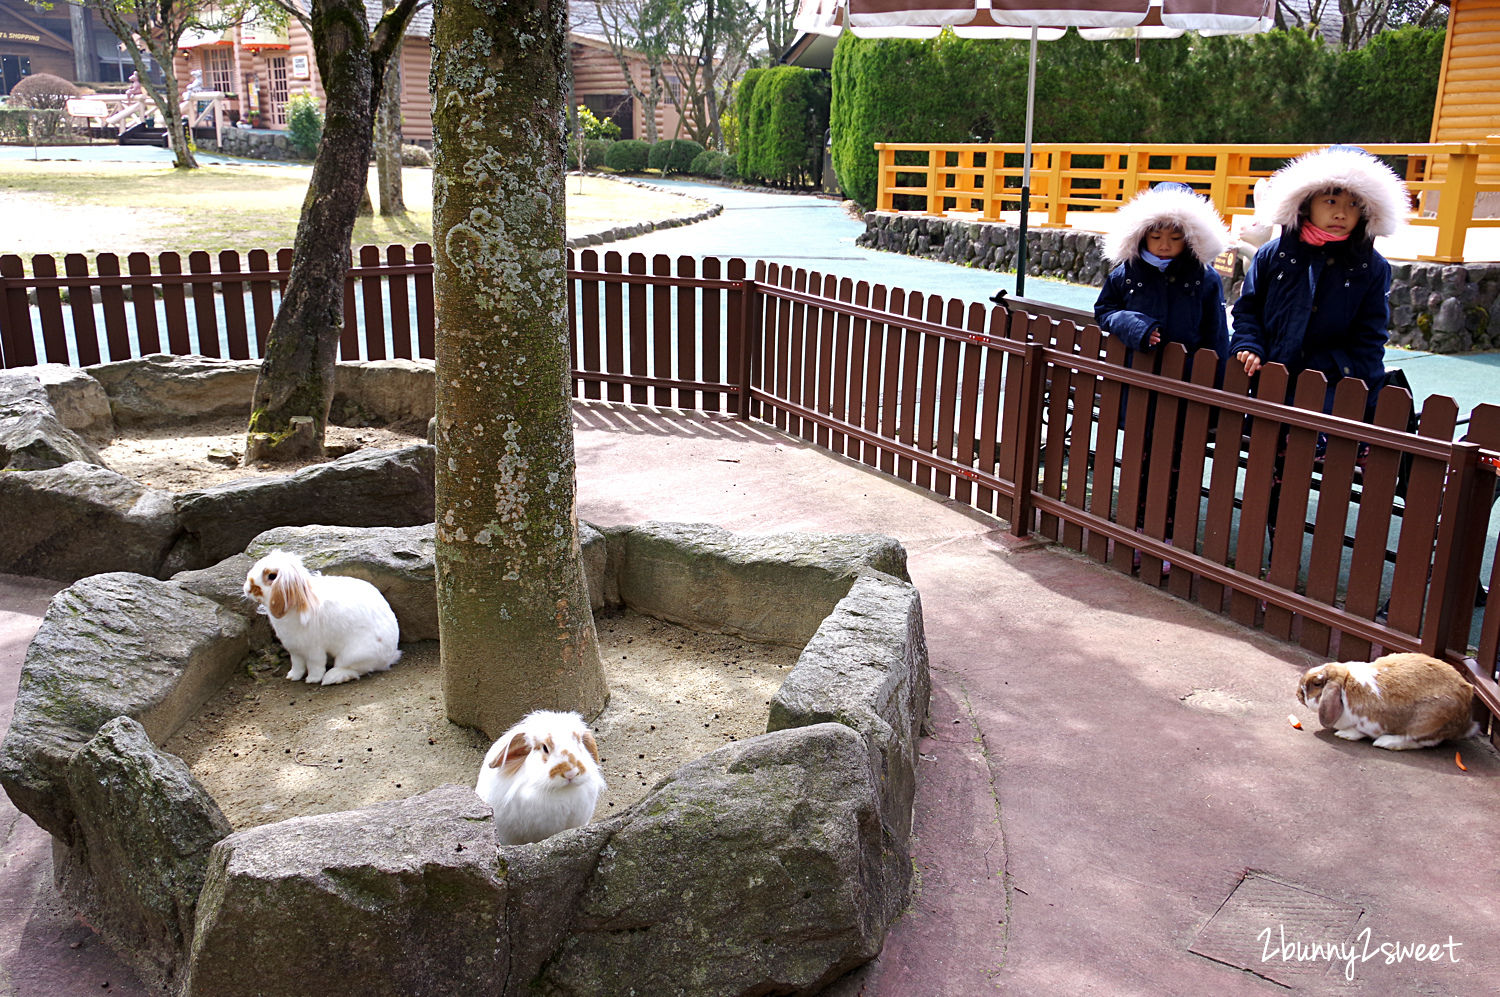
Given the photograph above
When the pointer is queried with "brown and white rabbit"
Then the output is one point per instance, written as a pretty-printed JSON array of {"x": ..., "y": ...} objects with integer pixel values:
[
  {"x": 542, "y": 776},
  {"x": 321, "y": 616},
  {"x": 1401, "y": 700}
]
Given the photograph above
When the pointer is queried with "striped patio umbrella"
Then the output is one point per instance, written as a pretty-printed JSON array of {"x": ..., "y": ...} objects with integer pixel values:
[{"x": 1038, "y": 20}]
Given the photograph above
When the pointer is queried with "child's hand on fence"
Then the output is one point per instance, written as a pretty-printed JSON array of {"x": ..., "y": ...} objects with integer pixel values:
[
  {"x": 1155, "y": 338},
  {"x": 1250, "y": 360}
]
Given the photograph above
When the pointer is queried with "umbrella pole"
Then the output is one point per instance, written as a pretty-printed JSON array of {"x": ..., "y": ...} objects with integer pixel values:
[{"x": 1026, "y": 169}]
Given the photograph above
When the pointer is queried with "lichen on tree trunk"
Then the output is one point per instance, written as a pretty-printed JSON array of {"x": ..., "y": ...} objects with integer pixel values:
[{"x": 513, "y": 612}]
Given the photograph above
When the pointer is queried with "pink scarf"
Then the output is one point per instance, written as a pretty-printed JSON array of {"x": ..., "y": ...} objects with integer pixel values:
[{"x": 1314, "y": 236}]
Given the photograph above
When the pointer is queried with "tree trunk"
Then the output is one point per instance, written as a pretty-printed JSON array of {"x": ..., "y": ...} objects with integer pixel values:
[
  {"x": 177, "y": 133},
  {"x": 388, "y": 143},
  {"x": 289, "y": 412},
  {"x": 513, "y": 610}
]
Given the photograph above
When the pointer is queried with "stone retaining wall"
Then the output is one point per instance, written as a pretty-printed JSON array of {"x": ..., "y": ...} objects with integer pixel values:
[
  {"x": 1442, "y": 308},
  {"x": 773, "y": 865},
  {"x": 260, "y": 143}
]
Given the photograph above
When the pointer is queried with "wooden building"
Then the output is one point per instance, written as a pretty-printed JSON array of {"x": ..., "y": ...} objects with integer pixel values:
[
  {"x": 33, "y": 41},
  {"x": 599, "y": 84},
  {"x": 1468, "y": 101},
  {"x": 263, "y": 67}
]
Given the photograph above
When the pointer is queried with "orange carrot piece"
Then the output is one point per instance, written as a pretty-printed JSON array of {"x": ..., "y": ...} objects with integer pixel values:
[{"x": 1459, "y": 761}]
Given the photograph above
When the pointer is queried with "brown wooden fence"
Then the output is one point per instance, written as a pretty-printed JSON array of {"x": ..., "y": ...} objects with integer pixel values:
[{"x": 1373, "y": 541}]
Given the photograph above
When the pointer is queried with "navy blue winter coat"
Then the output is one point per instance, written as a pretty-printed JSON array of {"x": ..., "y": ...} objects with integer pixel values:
[
  {"x": 1186, "y": 300},
  {"x": 1316, "y": 308}
]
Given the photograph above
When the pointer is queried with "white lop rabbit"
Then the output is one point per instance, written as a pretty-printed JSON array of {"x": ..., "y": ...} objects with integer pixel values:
[
  {"x": 317, "y": 616},
  {"x": 542, "y": 776},
  {"x": 1401, "y": 700}
]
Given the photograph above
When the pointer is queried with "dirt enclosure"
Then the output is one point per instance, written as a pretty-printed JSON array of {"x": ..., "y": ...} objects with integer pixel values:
[{"x": 268, "y": 749}]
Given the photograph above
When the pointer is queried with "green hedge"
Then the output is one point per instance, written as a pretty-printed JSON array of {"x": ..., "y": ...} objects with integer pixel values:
[
  {"x": 744, "y": 99},
  {"x": 674, "y": 155},
  {"x": 1276, "y": 87},
  {"x": 782, "y": 114},
  {"x": 595, "y": 153},
  {"x": 715, "y": 165},
  {"x": 628, "y": 155},
  {"x": 23, "y": 124}
]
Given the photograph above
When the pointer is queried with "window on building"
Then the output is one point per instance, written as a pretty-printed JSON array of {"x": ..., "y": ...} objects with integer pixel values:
[
  {"x": 13, "y": 69},
  {"x": 619, "y": 108},
  {"x": 218, "y": 68}
]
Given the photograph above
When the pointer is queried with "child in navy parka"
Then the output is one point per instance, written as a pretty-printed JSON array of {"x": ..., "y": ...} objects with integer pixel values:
[
  {"x": 1316, "y": 297},
  {"x": 1165, "y": 289}
]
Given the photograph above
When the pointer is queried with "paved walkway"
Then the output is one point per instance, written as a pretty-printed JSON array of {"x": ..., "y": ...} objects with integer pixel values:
[
  {"x": 1112, "y": 799},
  {"x": 1111, "y": 786}
]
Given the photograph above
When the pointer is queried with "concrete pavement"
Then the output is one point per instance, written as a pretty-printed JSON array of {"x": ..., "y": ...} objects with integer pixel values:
[{"x": 1111, "y": 786}]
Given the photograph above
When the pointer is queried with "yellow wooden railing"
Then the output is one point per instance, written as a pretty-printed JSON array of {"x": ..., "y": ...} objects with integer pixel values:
[{"x": 986, "y": 179}]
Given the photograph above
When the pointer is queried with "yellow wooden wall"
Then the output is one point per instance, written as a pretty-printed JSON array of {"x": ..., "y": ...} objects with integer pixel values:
[{"x": 1468, "y": 102}]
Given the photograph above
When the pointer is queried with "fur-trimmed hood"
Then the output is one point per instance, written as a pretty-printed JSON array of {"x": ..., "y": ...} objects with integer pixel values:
[
  {"x": 1382, "y": 195},
  {"x": 1166, "y": 204}
]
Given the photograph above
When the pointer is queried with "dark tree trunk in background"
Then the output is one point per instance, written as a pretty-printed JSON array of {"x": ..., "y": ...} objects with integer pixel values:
[
  {"x": 514, "y": 621},
  {"x": 289, "y": 412},
  {"x": 388, "y": 142}
]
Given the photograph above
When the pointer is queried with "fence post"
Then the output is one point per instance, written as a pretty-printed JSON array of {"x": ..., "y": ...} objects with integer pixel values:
[
  {"x": 1450, "y": 596},
  {"x": 1028, "y": 438},
  {"x": 17, "y": 343},
  {"x": 1455, "y": 205},
  {"x": 742, "y": 310},
  {"x": 887, "y": 178}
]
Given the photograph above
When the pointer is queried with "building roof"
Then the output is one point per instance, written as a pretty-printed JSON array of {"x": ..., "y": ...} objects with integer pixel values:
[{"x": 421, "y": 21}]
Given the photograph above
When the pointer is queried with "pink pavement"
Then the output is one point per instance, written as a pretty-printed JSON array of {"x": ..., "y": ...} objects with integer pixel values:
[{"x": 1110, "y": 769}]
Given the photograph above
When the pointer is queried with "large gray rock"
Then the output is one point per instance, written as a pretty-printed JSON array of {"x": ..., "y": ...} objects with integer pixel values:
[
  {"x": 80, "y": 519},
  {"x": 78, "y": 400},
  {"x": 395, "y": 899},
  {"x": 161, "y": 389},
  {"x": 365, "y": 488},
  {"x": 704, "y": 577},
  {"x": 756, "y": 869},
  {"x": 774, "y": 865},
  {"x": 31, "y": 436},
  {"x": 140, "y": 851},
  {"x": 867, "y": 668},
  {"x": 398, "y": 560},
  {"x": 110, "y": 645},
  {"x": 382, "y": 391}
]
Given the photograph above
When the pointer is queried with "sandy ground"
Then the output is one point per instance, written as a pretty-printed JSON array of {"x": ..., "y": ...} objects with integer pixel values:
[{"x": 268, "y": 749}]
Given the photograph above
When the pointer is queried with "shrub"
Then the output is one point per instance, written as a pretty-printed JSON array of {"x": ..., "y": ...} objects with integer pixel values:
[
  {"x": 595, "y": 152},
  {"x": 415, "y": 155},
  {"x": 674, "y": 155},
  {"x": 781, "y": 136},
  {"x": 42, "y": 91},
  {"x": 1280, "y": 87},
  {"x": 744, "y": 98},
  {"x": 717, "y": 165},
  {"x": 595, "y": 127},
  {"x": 304, "y": 123},
  {"x": 628, "y": 155}
]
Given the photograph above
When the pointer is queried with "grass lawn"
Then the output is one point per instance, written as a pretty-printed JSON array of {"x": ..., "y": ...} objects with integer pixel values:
[{"x": 61, "y": 207}]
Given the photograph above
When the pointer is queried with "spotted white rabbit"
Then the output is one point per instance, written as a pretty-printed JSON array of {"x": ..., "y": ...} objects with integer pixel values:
[
  {"x": 1401, "y": 700},
  {"x": 321, "y": 616},
  {"x": 542, "y": 776}
]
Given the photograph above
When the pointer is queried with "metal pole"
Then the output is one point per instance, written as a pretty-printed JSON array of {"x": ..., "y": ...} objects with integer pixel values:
[{"x": 1026, "y": 169}]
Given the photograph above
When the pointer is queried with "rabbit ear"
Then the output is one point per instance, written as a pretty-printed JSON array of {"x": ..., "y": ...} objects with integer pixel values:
[
  {"x": 591, "y": 744},
  {"x": 513, "y": 755},
  {"x": 292, "y": 592},
  {"x": 1331, "y": 702}
]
